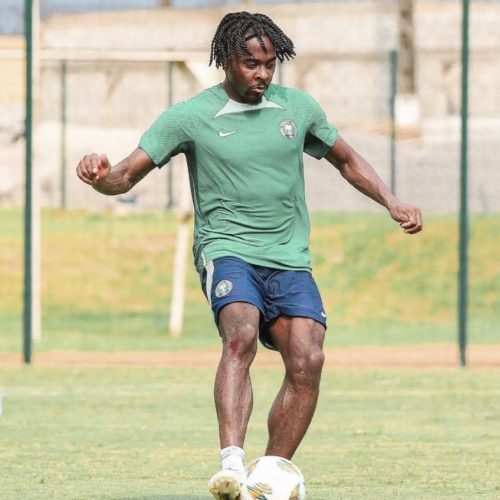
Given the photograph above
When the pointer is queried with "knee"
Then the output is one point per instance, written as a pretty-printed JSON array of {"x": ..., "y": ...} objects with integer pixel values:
[
  {"x": 315, "y": 360},
  {"x": 240, "y": 343},
  {"x": 305, "y": 368}
]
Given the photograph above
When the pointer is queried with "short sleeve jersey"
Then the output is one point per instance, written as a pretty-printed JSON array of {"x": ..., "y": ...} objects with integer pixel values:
[{"x": 246, "y": 171}]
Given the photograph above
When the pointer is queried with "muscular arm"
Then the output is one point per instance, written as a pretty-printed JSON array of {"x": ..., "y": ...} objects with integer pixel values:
[
  {"x": 97, "y": 171},
  {"x": 359, "y": 173}
]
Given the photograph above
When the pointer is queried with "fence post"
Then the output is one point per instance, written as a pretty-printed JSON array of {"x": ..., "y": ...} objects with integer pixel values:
[
  {"x": 463, "y": 276},
  {"x": 393, "y": 91},
  {"x": 170, "y": 100},
  {"x": 64, "y": 70},
  {"x": 29, "y": 239},
  {"x": 32, "y": 324}
]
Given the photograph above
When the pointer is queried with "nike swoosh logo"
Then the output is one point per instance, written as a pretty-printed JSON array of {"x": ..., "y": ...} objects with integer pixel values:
[
  {"x": 225, "y": 134},
  {"x": 323, "y": 314}
]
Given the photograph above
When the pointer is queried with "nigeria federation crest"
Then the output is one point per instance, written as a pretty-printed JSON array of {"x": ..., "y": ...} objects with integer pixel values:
[
  {"x": 288, "y": 129},
  {"x": 223, "y": 288}
]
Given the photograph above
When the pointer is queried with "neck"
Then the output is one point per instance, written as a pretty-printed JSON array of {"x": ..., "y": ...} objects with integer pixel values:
[{"x": 231, "y": 93}]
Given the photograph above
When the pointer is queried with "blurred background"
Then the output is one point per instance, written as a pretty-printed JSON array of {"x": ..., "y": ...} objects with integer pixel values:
[{"x": 387, "y": 73}]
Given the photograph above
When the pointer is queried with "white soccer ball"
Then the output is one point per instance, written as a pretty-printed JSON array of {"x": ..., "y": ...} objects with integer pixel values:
[{"x": 274, "y": 478}]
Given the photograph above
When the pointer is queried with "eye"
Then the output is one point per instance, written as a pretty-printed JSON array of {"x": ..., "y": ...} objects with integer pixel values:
[{"x": 271, "y": 65}]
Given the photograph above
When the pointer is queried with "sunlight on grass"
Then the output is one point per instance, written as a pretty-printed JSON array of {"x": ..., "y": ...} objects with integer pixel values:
[
  {"x": 144, "y": 432},
  {"x": 107, "y": 278}
]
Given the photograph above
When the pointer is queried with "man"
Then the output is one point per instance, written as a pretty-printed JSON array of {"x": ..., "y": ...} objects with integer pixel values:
[{"x": 244, "y": 141}]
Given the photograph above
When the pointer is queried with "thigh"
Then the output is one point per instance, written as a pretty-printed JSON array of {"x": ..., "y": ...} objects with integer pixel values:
[
  {"x": 239, "y": 325},
  {"x": 292, "y": 294},
  {"x": 296, "y": 337},
  {"x": 230, "y": 280}
]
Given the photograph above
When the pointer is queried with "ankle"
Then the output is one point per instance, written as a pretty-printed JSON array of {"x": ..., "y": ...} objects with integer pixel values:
[{"x": 232, "y": 458}]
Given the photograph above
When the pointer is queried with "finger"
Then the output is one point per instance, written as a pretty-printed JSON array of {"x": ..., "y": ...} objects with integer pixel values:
[
  {"x": 413, "y": 228},
  {"x": 87, "y": 181},
  {"x": 420, "y": 220},
  {"x": 82, "y": 174},
  {"x": 408, "y": 224},
  {"x": 94, "y": 160},
  {"x": 412, "y": 216},
  {"x": 89, "y": 165},
  {"x": 85, "y": 167},
  {"x": 405, "y": 221},
  {"x": 103, "y": 166},
  {"x": 104, "y": 161}
]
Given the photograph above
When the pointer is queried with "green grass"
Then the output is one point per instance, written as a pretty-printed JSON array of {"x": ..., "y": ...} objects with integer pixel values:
[
  {"x": 150, "y": 433},
  {"x": 106, "y": 281}
]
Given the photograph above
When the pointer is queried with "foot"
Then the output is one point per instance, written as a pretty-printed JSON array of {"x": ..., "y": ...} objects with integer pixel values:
[{"x": 228, "y": 485}]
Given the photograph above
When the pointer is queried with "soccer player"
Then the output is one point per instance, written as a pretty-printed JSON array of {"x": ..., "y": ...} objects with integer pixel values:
[{"x": 244, "y": 141}]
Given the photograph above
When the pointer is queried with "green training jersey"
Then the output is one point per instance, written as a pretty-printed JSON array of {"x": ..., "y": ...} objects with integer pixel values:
[{"x": 246, "y": 171}]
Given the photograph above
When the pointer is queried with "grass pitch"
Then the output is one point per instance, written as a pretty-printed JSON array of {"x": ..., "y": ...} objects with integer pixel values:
[
  {"x": 106, "y": 281},
  {"x": 150, "y": 433}
]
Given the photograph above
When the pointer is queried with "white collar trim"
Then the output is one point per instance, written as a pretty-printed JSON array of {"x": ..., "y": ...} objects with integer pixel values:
[{"x": 240, "y": 107}]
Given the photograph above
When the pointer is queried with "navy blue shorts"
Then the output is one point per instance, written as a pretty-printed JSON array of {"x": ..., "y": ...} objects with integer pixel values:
[{"x": 274, "y": 292}]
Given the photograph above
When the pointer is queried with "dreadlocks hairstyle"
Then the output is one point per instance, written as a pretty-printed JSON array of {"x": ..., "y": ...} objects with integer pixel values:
[{"x": 235, "y": 29}]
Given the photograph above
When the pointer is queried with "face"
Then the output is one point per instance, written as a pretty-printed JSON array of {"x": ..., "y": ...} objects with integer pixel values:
[{"x": 248, "y": 76}]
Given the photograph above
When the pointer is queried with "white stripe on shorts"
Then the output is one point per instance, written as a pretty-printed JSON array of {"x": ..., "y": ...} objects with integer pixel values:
[
  {"x": 209, "y": 267},
  {"x": 203, "y": 258}
]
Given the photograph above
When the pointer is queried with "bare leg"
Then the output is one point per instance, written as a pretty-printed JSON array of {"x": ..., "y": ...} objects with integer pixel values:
[
  {"x": 300, "y": 341},
  {"x": 239, "y": 326}
]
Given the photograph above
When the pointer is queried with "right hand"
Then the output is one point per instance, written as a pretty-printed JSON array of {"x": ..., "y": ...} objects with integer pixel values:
[{"x": 93, "y": 168}]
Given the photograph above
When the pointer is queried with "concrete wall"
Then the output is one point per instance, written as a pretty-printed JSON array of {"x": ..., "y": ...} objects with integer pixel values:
[
  {"x": 347, "y": 73},
  {"x": 438, "y": 40},
  {"x": 342, "y": 61},
  {"x": 342, "y": 50},
  {"x": 12, "y": 71}
]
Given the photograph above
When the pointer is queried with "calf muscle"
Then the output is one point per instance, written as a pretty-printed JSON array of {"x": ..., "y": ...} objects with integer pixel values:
[
  {"x": 233, "y": 395},
  {"x": 300, "y": 341}
]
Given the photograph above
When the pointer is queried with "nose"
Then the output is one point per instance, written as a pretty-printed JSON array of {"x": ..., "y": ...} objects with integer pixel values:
[{"x": 263, "y": 73}]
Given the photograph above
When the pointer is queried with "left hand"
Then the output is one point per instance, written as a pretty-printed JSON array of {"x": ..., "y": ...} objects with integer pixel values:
[{"x": 408, "y": 216}]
